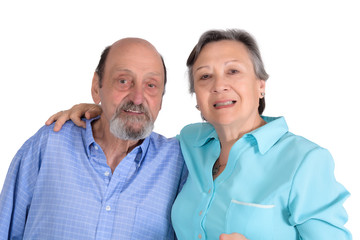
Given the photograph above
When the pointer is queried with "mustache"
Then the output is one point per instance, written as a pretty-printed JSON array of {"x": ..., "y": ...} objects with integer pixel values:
[{"x": 130, "y": 106}]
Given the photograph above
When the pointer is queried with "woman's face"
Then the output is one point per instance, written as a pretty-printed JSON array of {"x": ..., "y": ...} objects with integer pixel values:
[{"x": 226, "y": 87}]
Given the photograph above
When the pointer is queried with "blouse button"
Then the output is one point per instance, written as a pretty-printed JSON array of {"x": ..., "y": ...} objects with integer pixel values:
[
  {"x": 199, "y": 236},
  {"x": 200, "y": 213}
]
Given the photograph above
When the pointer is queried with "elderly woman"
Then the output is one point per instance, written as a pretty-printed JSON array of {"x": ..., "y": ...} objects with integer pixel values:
[{"x": 247, "y": 173}]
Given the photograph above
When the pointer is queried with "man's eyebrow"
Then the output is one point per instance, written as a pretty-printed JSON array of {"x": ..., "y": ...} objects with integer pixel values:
[
  {"x": 154, "y": 74},
  {"x": 122, "y": 69},
  {"x": 129, "y": 71}
]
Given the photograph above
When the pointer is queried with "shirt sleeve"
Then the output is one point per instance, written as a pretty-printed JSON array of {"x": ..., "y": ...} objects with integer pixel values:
[
  {"x": 316, "y": 199},
  {"x": 18, "y": 188}
]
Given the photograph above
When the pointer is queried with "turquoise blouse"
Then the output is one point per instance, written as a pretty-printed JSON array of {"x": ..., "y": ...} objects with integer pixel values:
[{"x": 276, "y": 185}]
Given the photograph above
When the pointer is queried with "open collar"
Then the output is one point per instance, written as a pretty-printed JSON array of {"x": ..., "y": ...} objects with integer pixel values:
[
  {"x": 89, "y": 140},
  {"x": 265, "y": 136}
]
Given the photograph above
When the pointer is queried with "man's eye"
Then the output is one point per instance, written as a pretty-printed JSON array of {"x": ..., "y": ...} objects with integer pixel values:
[
  {"x": 150, "y": 85},
  {"x": 123, "y": 81}
]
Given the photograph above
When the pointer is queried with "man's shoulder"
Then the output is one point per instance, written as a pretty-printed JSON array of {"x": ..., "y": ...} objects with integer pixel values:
[
  {"x": 68, "y": 131},
  {"x": 159, "y": 141},
  {"x": 68, "y": 127},
  {"x": 163, "y": 150}
]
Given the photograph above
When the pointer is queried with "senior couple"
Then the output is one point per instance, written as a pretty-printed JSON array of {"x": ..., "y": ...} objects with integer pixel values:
[{"x": 237, "y": 175}]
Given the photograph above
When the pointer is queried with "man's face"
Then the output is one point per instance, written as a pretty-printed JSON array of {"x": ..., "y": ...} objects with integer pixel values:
[{"x": 132, "y": 88}]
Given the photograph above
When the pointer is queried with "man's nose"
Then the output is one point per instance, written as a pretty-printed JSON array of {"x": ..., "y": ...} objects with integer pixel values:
[{"x": 137, "y": 95}]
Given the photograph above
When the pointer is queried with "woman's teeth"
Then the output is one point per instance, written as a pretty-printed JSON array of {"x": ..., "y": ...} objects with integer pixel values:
[{"x": 224, "y": 103}]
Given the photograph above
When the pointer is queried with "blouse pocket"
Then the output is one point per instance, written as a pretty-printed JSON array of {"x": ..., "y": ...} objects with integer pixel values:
[{"x": 254, "y": 221}]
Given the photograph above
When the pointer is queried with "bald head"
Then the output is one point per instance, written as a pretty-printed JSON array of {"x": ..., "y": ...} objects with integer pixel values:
[
  {"x": 130, "y": 47},
  {"x": 128, "y": 43}
]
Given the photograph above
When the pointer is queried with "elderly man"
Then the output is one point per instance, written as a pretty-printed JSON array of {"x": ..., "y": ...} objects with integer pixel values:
[{"x": 114, "y": 179}]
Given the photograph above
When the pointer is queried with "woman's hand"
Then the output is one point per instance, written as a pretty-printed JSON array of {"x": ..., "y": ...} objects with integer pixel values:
[
  {"x": 232, "y": 236},
  {"x": 75, "y": 113}
]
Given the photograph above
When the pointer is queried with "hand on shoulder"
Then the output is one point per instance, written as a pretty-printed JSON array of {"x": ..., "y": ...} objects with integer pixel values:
[{"x": 75, "y": 114}]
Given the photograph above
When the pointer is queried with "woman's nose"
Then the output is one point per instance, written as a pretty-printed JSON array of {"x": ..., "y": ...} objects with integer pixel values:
[{"x": 219, "y": 85}]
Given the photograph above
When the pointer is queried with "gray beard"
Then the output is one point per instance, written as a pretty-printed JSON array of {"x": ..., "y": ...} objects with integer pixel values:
[{"x": 123, "y": 127}]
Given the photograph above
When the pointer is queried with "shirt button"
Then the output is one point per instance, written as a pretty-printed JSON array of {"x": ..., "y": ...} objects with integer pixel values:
[
  {"x": 96, "y": 147},
  {"x": 107, "y": 173},
  {"x": 209, "y": 190},
  {"x": 108, "y": 208},
  {"x": 200, "y": 213},
  {"x": 199, "y": 236}
]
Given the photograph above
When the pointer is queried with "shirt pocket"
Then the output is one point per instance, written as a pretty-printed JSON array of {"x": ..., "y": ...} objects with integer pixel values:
[
  {"x": 254, "y": 221},
  {"x": 150, "y": 225}
]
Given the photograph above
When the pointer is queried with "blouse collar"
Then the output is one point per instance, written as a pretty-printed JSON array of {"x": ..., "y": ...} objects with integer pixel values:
[{"x": 266, "y": 136}]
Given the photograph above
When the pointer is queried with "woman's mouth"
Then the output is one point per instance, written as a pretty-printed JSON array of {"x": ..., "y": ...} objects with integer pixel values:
[{"x": 224, "y": 104}]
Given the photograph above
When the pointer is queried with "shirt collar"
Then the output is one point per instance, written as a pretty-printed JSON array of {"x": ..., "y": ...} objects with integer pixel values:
[
  {"x": 206, "y": 134},
  {"x": 144, "y": 146},
  {"x": 88, "y": 137},
  {"x": 89, "y": 140},
  {"x": 265, "y": 136}
]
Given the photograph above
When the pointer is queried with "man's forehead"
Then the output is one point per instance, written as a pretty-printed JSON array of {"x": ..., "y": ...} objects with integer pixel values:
[
  {"x": 135, "y": 55},
  {"x": 132, "y": 72}
]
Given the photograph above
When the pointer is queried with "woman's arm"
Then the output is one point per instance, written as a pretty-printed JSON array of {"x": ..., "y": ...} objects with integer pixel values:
[
  {"x": 75, "y": 113},
  {"x": 316, "y": 199}
]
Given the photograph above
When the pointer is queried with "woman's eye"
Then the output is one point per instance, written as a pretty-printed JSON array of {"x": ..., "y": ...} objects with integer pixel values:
[
  {"x": 205, "y": 76},
  {"x": 233, "y": 71}
]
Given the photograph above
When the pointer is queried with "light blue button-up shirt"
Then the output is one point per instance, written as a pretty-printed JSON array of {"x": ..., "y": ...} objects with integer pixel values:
[
  {"x": 60, "y": 187},
  {"x": 276, "y": 185}
]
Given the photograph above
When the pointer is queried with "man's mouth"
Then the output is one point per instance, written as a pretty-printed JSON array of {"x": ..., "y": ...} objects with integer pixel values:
[
  {"x": 224, "y": 104},
  {"x": 132, "y": 111}
]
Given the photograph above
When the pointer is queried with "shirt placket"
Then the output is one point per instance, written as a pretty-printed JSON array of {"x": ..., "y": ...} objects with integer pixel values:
[
  {"x": 103, "y": 230},
  {"x": 202, "y": 211},
  {"x": 210, "y": 190},
  {"x": 114, "y": 184}
]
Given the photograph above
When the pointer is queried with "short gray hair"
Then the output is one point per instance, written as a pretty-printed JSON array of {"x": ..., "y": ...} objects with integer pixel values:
[{"x": 235, "y": 35}]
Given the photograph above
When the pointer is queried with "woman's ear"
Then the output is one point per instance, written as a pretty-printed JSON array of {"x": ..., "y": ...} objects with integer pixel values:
[
  {"x": 262, "y": 85},
  {"x": 95, "y": 89}
]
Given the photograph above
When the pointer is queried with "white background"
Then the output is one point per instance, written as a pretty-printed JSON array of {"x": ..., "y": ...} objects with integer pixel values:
[{"x": 49, "y": 50}]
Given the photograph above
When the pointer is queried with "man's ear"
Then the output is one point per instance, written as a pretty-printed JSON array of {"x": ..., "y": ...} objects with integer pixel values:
[{"x": 95, "y": 89}]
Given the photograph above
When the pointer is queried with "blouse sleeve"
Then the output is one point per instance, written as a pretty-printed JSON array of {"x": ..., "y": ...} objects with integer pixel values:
[{"x": 316, "y": 199}]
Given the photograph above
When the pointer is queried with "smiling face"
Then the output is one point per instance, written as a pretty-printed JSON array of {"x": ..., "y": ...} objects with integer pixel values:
[
  {"x": 132, "y": 88},
  {"x": 226, "y": 87}
]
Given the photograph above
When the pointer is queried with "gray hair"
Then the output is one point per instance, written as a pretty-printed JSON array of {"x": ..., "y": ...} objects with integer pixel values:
[{"x": 235, "y": 35}]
